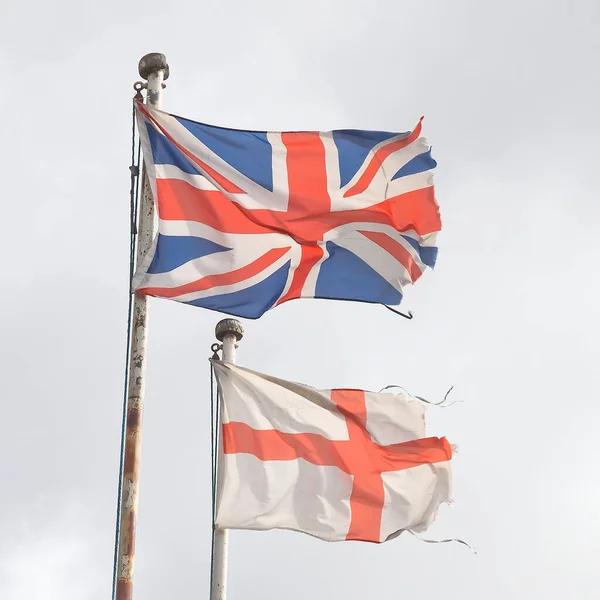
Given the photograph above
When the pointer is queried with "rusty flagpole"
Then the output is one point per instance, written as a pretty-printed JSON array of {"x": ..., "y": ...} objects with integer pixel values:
[{"x": 154, "y": 68}]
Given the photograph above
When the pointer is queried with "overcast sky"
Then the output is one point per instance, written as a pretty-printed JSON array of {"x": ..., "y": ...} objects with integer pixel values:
[{"x": 510, "y": 92}]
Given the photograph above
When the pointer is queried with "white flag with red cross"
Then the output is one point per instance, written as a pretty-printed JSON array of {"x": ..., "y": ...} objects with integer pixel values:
[{"x": 336, "y": 464}]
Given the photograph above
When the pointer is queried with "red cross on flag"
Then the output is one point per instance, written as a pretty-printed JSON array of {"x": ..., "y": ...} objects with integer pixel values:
[{"x": 335, "y": 464}]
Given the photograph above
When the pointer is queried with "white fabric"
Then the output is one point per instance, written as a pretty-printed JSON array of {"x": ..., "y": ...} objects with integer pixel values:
[
  {"x": 414, "y": 495},
  {"x": 285, "y": 495},
  {"x": 295, "y": 493}
]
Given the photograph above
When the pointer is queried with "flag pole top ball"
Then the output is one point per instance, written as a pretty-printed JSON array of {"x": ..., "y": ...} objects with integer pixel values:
[
  {"x": 151, "y": 63},
  {"x": 227, "y": 327}
]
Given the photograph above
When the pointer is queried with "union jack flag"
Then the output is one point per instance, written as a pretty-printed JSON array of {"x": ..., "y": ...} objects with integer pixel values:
[{"x": 249, "y": 220}]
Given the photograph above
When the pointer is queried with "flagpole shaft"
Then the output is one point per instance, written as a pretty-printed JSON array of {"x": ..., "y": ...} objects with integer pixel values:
[
  {"x": 228, "y": 332},
  {"x": 153, "y": 68}
]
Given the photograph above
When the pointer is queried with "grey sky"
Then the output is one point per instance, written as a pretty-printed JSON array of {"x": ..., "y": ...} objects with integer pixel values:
[{"x": 510, "y": 91}]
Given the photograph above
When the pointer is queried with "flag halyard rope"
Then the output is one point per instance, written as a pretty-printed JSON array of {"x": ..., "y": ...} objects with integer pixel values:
[
  {"x": 214, "y": 441},
  {"x": 134, "y": 170}
]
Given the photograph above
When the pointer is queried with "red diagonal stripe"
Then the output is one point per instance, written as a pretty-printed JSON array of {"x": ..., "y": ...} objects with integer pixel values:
[
  {"x": 310, "y": 256},
  {"x": 219, "y": 179},
  {"x": 205, "y": 283},
  {"x": 380, "y": 155},
  {"x": 397, "y": 250}
]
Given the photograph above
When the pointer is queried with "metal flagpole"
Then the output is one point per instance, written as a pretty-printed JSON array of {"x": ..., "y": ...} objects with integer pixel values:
[
  {"x": 228, "y": 332},
  {"x": 154, "y": 68}
]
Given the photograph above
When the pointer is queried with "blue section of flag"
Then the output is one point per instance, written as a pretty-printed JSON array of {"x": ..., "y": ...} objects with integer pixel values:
[
  {"x": 165, "y": 152},
  {"x": 353, "y": 147},
  {"x": 247, "y": 151},
  {"x": 428, "y": 254},
  {"x": 419, "y": 164},
  {"x": 251, "y": 302},
  {"x": 172, "y": 251},
  {"x": 344, "y": 276}
]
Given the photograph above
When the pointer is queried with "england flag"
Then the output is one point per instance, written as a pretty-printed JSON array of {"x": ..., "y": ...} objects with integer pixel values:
[{"x": 335, "y": 464}]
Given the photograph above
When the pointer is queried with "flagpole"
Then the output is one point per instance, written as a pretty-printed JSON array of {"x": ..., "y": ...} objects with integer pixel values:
[
  {"x": 228, "y": 332},
  {"x": 154, "y": 68}
]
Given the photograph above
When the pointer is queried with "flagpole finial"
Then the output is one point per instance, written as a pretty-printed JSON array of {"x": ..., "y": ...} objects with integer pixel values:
[
  {"x": 151, "y": 63},
  {"x": 229, "y": 327}
]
